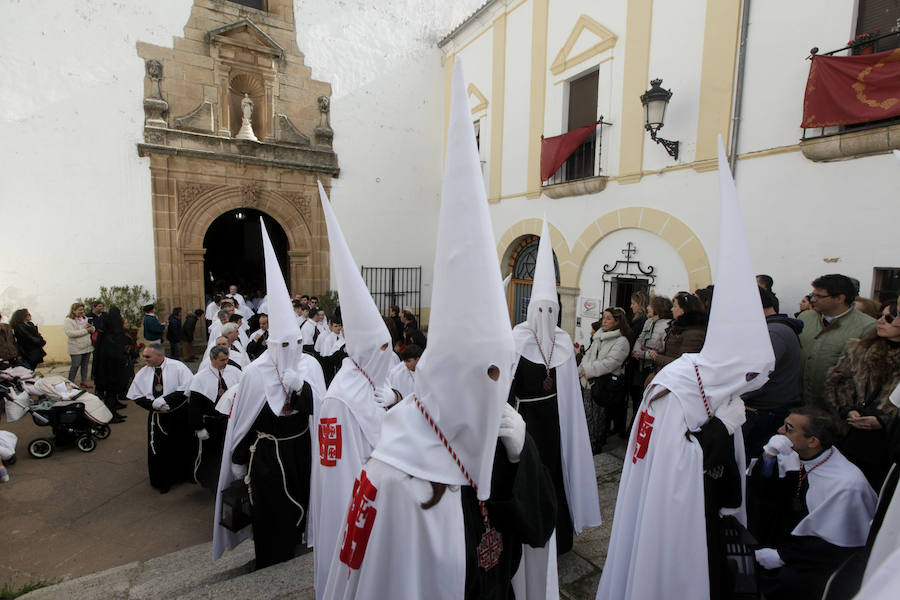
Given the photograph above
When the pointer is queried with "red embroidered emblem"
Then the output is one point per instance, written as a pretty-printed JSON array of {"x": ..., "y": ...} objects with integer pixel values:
[
  {"x": 489, "y": 549},
  {"x": 642, "y": 439},
  {"x": 329, "y": 442},
  {"x": 360, "y": 519}
]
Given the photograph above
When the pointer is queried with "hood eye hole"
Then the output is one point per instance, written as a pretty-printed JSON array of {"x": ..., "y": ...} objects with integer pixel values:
[
  {"x": 285, "y": 344},
  {"x": 493, "y": 372},
  {"x": 540, "y": 309},
  {"x": 384, "y": 347}
]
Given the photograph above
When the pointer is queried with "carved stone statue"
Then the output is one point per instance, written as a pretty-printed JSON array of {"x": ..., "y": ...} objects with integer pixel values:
[
  {"x": 246, "y": 132},
  {"x": 323, "y": 131},
  {"x": 155, "y": 108}
]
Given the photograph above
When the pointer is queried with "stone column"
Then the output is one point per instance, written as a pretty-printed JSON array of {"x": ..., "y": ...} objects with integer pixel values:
[{"x": 568, "y": 296}]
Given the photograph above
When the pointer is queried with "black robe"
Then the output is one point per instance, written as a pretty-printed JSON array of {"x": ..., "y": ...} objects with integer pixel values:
[
  {"x": 542, "y": 423},
  {"x": 521, "y": 508},
  {"x": 208, "y": 457},
  {"x": 278, "y": 523},
  {"x": 171, "y": 443}
]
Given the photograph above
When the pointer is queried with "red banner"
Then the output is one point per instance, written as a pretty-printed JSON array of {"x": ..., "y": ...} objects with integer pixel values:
[
  {"x": 843, "y": 90},
  {"x": 555, "y": 150}
]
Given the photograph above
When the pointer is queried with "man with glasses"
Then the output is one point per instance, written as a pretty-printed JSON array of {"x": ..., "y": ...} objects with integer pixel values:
[
  {"x": 809, "y": 507},
  {"x": 161, "y": 388},
  {"x": 827, "y": 329}
]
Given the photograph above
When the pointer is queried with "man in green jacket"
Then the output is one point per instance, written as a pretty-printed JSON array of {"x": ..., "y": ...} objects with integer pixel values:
[{"x": 827, "y": 329}]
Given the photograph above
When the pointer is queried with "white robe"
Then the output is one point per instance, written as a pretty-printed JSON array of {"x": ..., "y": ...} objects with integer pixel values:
[
  {"x": 657, "y": 549},
  {"x": 349, "y": 426},
  {"x": 888, "y": 539},
  {"x": 402, "y": 559},
  {"x": 308, "y": 332},
  {"x": 402, "y": 379},
  {"x": 259, "y": 381},
  {"x": 212, "y": 309}
]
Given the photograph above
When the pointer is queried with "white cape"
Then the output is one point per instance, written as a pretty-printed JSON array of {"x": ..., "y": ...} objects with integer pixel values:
[
  {"x": 403, "y": 380},
  {"x": 206, "y": 381},
  {"x": 409, "y": 553},
  {"x": 251, "y": 395},
  {"x": 888, "y": 539},
  {"x": 841, "y": 503},
  {"x": 659, "y": 518},
  {"x": 176, "y": 375},
  {"x": 345, "y": 425}
]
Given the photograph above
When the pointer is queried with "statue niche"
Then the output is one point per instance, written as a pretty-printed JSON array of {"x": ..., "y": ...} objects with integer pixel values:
[{"x": 244, "y": 87}]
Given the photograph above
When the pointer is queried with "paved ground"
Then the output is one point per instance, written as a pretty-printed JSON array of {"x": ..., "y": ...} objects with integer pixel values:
[{"x": 77, "y": 513}]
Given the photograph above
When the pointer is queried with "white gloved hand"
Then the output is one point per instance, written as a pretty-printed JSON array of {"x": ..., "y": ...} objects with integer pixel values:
[
  {"x": 512, "y": 433},
  {"x": 385, "y": 396},
  {"x": 238, "y": 471},
  {"x": 778, "y": 444},
  {"x": 732, "y": 414},
  {"x": 202, "y": 434},
  {"x": 788, "y": 462},
  {"x": 768, "y": 558},
  {"x": 292, "y": 381},
  {"x": 160, "y": 404}
]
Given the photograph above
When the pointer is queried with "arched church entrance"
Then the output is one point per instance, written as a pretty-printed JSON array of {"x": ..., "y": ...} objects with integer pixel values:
[{"x": 233, "y": 253}]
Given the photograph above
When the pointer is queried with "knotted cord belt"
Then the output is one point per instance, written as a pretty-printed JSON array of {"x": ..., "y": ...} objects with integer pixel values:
[
  {"x": 154, "y": 423},
  {"x": 260, "y": 435}
]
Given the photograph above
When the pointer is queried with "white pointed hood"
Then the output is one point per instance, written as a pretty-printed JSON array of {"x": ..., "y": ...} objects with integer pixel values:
[
  {"x": 452, "y": 378},
  {"x": 737, "y": 355},
  {"x": 283, "y": 326},
  {"x": 364, "y": 329},
  {"x": 539, "y": 339}
]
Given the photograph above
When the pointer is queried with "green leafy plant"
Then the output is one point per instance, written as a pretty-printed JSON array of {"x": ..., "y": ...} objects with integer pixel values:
[
  {"x": 328, "y": 301},
  {"x": 8, "y": 593},
  {"x": 129, "y": 298}
]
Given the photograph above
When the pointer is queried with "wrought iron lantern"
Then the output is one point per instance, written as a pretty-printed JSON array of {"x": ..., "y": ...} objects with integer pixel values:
[{"x": 655, "y": 101}]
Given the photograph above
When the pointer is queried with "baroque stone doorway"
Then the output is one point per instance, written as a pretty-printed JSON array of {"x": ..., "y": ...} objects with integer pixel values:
[{"x": 234, "y": 254}]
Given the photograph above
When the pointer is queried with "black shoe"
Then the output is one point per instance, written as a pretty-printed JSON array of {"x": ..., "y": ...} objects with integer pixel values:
[
  {"x": 118, "y": 419},
  {"x": 121, "y": 405}
]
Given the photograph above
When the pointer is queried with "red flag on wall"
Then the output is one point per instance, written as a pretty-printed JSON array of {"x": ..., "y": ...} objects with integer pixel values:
[
  {"x": 555, "y": 150},
  {"x": 843, "y": 90}
]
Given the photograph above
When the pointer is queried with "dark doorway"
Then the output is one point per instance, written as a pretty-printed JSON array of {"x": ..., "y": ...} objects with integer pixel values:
[
  {"x": 234, "y": 253},
  {"x": 621, "y": 289}
]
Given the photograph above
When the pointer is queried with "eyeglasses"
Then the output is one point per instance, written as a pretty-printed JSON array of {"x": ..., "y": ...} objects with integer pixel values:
[
  {"x": 789, "y": 428},
  {"x": 820, "y": 296},
  {"x": 888, "y": 318}
]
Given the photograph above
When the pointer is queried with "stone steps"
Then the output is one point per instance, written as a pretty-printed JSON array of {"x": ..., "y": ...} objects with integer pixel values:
[{"x": 191, "y": 574}]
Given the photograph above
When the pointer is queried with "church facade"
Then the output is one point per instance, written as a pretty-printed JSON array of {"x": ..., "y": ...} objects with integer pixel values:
[{"x": 131, "y": 130}]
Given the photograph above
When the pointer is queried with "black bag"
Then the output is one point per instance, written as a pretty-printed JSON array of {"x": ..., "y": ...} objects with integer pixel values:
[
  {"x": 237, "y": 511},
  {"x": 608, "y": 390}
]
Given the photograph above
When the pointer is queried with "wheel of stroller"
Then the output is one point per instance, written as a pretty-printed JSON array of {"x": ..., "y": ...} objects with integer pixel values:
[
  {"x": 101, "y": 432},
  {"x": 40, "y": 448},
  {"x": 86, "y": 443}
]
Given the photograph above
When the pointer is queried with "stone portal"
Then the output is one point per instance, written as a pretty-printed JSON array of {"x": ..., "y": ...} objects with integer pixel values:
[{"x": 237, "y": 69}]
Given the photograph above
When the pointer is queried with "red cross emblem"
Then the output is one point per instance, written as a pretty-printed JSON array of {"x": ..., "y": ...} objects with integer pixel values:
[
  {"x": 642, "y": 439},
  {"x": 329, "y": 442},
  {"x": 360, "y": 519},
  {"x": 489, "y": 549}
]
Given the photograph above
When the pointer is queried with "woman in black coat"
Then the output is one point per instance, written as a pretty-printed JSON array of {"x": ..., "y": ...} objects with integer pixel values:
[
  {"x": 114, "y": 362},
  {"x": 28, "y": 338}
]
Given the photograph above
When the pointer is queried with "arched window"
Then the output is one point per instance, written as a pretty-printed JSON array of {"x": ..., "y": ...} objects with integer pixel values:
[{"x": 522, "y": 264}]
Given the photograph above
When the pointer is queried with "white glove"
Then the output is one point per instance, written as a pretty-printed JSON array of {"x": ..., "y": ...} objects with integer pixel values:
[
  {"x": 202, "y": 434},
  {"x": 778, "y": 444},
  {"x": 512, "y": 432},
  {"x": 732, "y": 414},
  {"x": 160, "y": 404},
  {"x": 385, "y": 396},
  {"x": 292, "y": 381},
  {"x": 768, "y": 558},
  {"x": 788, "y": 462},
  {"x": 238, "y": 471}
]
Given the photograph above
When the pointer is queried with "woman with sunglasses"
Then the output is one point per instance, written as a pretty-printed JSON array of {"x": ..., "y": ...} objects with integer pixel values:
[{"x": 858, "y": 388}]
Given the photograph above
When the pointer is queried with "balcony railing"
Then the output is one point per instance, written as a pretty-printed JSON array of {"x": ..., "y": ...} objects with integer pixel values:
[
  {"x": 879, "y": 43},
  {"x": 584, "y": 162}
]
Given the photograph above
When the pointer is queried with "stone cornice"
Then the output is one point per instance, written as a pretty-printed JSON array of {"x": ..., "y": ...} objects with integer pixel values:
[{"x": 212, "y": 147}]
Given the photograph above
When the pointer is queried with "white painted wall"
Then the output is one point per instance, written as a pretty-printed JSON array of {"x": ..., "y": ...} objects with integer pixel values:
[{"x": 74, "y": 195}]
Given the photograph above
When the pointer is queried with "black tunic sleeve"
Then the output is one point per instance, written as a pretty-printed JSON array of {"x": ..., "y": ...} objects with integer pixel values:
[
  {"x": 523, "y": 500},
  {"x": 145, "y": 403},
  {"x": 302, "y": 400},
  {"x": 175, "y": 399},
  {"x": 198, "y": 407},
  {"x": 721, "y": 477}
]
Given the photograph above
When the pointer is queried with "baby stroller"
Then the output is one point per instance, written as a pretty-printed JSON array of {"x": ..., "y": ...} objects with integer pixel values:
[{"x": 72, "y": 414}]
